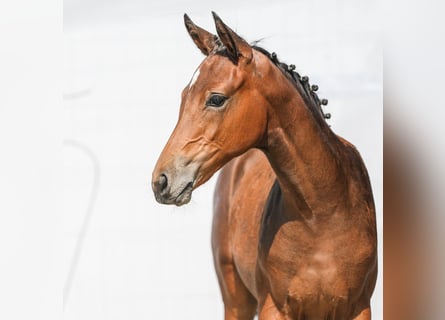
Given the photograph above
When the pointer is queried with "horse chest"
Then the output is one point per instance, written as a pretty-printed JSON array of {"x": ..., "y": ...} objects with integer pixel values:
[{"x": 299, "y": 268}]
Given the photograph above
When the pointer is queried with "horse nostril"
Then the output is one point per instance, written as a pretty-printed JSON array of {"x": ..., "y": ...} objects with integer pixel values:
[{"x": 162, "y": 182}]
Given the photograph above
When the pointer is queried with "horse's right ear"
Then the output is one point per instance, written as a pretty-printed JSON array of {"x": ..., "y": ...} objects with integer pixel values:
[{"x": 203, "y": 39}]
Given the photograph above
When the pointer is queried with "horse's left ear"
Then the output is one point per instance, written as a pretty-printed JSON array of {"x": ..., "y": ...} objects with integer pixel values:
[
  {"x": 203, "y": 39},
  {"x": 236, "y": 46}
]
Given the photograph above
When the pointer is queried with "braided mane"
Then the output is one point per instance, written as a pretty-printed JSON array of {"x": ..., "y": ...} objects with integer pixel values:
[{"x": 307, "y": 91}]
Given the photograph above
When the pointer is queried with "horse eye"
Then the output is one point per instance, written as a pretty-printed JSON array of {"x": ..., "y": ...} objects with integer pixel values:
[{"x": 216, "y": 100}]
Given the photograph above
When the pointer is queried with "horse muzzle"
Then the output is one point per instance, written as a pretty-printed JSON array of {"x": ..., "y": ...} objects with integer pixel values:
[{"x": 173, "y": 187}]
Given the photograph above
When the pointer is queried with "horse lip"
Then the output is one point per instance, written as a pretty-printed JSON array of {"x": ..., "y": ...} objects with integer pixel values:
[{"x": 186, "y": 192}]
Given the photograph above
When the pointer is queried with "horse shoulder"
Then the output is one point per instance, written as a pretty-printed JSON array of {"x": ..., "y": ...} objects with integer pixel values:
[{"x": 240, "y": 195}]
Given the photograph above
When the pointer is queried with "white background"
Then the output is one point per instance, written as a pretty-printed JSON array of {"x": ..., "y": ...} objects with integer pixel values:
[
  {"x": 124, "y": 65},
  {"x": 33, "y": 128}
]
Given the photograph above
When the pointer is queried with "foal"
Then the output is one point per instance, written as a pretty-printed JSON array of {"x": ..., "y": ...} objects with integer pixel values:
[{"x": 294, "y": 232}]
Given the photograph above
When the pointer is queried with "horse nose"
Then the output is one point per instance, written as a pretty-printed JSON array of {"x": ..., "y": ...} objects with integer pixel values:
[{"x": 160, "y": 185}]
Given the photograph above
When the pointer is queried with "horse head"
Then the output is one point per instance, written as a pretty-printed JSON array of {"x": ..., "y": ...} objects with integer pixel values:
[{"x": 221, "y": 114}]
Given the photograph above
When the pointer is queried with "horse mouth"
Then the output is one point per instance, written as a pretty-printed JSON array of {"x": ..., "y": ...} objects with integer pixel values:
[{"x": 185, "y": 195}]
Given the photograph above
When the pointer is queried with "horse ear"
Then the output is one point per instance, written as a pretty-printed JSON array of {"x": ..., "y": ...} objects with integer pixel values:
[
  {"x": 203, "y": 39},
  {"x": 236, "y": 46}
]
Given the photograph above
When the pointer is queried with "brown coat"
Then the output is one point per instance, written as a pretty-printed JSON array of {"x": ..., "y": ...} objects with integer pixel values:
[{"x": 294, "y": 232}]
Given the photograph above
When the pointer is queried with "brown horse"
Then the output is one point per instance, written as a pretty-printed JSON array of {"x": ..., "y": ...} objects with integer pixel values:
[{"x": 294, "y": 231}]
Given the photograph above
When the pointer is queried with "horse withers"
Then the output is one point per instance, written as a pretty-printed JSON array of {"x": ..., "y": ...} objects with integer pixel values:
[{"x": 294, "y": 230}]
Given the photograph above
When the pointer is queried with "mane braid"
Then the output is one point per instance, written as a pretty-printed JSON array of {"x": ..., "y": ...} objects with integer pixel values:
[
  {"x": 307, "y": 91},
  {"x": 302, "y": 85}
]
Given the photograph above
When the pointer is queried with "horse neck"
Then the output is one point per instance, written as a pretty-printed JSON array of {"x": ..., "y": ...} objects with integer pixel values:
[{"x": 304, "y": 153}]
